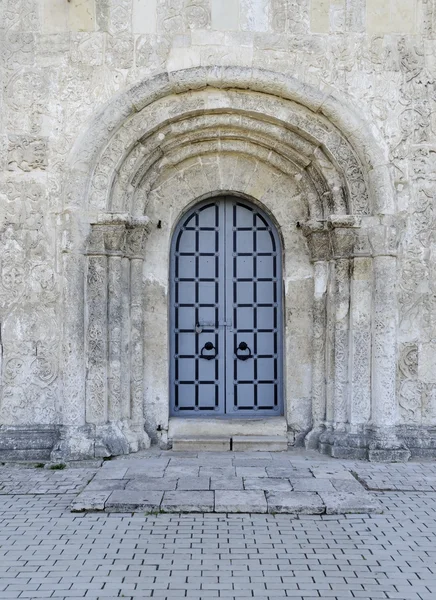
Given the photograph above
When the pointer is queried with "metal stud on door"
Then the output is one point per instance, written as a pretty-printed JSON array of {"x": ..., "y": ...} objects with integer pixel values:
[{"x": 226, "y": 312}]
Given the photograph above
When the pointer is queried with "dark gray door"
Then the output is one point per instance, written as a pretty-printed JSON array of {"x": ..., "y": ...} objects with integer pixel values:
[{"x": 226, "y": 312}]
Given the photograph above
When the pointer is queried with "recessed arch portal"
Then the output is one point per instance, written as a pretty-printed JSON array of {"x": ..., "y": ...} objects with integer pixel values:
[
  {"x": 190, "y": 134},
  {"x": 226, "y": 321}
]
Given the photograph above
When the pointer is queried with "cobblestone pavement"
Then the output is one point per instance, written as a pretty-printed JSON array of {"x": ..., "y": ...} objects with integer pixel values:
[
  {"x": 46, "y": 551},
  {"x": 226, "y": 482}
]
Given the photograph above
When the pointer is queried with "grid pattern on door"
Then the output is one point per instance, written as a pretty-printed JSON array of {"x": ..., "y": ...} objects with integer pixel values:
[
  {"x": 226, "y": 322},
  {"x": 198, "y": 301},
  {"x": 253, "y": 295}
]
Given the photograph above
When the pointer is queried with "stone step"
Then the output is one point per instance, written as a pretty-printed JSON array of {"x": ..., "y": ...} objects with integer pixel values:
[
  {"x": 201, "y": 444},
  {"x": 259, "y": 443}
]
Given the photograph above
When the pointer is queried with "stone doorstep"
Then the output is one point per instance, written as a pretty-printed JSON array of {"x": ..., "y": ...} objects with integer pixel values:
[
  {"x": 237, "y": 443},
  {"x": 259, "y": 443},
  {"x": 201, "y": 444}
]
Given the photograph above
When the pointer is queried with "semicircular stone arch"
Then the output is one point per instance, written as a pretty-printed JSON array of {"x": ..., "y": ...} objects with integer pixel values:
[{"x": 314, "y": 165}]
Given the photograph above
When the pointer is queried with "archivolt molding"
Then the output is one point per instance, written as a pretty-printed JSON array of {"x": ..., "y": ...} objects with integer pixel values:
[{"x": 307, "y": 142}]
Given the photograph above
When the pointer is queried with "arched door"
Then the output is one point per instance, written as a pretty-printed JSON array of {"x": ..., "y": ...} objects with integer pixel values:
[{"x": 226, "y": 312}]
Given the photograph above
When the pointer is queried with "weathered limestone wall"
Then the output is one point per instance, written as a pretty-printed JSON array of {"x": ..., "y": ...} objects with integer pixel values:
[{"x": 62, "y": 60}]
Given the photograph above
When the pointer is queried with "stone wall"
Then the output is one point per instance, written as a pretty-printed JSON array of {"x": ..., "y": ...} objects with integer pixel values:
[{"x": 62, "y": 60}]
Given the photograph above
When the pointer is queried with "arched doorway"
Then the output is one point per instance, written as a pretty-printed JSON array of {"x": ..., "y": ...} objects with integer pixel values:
[{"x": 226, "y": 338}]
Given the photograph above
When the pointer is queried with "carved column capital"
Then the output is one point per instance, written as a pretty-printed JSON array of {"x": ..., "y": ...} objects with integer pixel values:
[
  {"x": 343, "y": 234},
  {"x": 318, "y": 239},
  {"x": 137, "y": 233},
  {"x": 384, "y": 238}
]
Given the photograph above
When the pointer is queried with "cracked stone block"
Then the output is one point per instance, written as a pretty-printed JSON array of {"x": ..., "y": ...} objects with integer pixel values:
[
  {"x": 113, "y": 473},
  {"x": 345, "y": 485},
  {"x": 103, "y": 485},
  {"x": 226, "y": 483},
  {"x": 267, "y": 483},
  {"x": 143, "y": 484},
  {"x": 332, "y": 473},
  {"x": 193, "y": 483},
  {"x": 312, "y": 485},
  {"x": 134, "y": 501},
  {"x": 90, "y": 501},
  {"x": 233, "y": 501},
  {"x": 182, "y": 471},
  {"x": 303, "y": 503},
  {"x": 287, "y": 472},
  {"x": 341, "y": 503},
  {"x": 180, "y": 501},
  {"x": 218, "y": 472},
  {"x": 251, "y": 472}
]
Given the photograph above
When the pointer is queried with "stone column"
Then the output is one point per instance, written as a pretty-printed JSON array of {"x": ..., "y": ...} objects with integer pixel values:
[
  {"x": 114, "y": 242},
  {"x": 342, "y": 235},
  {"x": 136, "y": 238},
  {"x": 319, "y": 246},
  {"x": 360, "y": 342},
  {"x": 384, "y": 444},
  {"x": 96, "y": 331}
]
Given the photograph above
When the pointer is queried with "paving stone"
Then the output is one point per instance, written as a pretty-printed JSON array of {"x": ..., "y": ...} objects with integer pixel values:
[
  {"x": 90, "y": 501},
  {"x": 305, "y": 484},
  {"x": 346, "y": 485},
  {"x": 152, "y": 483},
  {"x": 306, "y": 503},
  {"x": 267, "y": 483},
  {"x": 287, "y": 472},
  {"x": 251, "y": 472},
  {"x": 114, "y": 472},
  {"x": 240, "y": 501},
  {"x": 226, "y": 483},
  {"x": 342, "y": 503},
  {"x": 214, "y": 471},
  {"x": 134, "y": 501},
  {"x": 193, "y": 483},
  {"x": 332, "y": 473},
  {"x": 180, "y": 501},
  {"x": 182, "y": 471},
  {"x": 104, "y": 485}
]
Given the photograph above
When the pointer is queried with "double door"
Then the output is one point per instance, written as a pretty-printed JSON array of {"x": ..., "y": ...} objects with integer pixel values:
[{"x": 226, "y": 312}]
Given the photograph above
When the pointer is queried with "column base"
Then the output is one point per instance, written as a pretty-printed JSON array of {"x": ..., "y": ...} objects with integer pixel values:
[
  {"x": 343, "y": 444},
  {"x": 385, "y": 446},
  {"x": 98, "y": 441},
  {"x": 375, "y": 445},
  {"x": 75, "y": 443},
  {"x": 118, "y": 438},
  {"x": 311, "y": 440}
]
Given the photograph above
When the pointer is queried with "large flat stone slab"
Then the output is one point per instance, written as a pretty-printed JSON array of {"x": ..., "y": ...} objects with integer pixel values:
[
  {"x": 233, "y": 501},
  {"x": 339, "y": 503},
  {"x": 90, "y": 501},
  {"x": 302, "y": 503},
  {"x": 134, "y": 501},
  {"x": 143, "y": 484},
  {"x": 267, "y": 483},
  {"x": 180, "y": 501}
]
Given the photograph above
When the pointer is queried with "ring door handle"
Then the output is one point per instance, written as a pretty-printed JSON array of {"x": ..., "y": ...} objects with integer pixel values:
[
  {"x": 208, "y": 346},
  {"x": 243, "y": 347}
]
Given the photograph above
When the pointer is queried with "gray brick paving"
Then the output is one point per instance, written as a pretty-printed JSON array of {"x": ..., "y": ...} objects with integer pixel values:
[{"x": 48, "y": 552}]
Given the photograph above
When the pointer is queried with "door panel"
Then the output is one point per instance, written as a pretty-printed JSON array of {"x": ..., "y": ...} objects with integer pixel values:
[
  {"x": 226, "y": 321},
  {"x": 253, "y": 295}
]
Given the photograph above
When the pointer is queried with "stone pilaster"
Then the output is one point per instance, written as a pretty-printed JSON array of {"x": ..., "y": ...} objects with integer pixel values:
[{"x": 384, "y": 445}]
